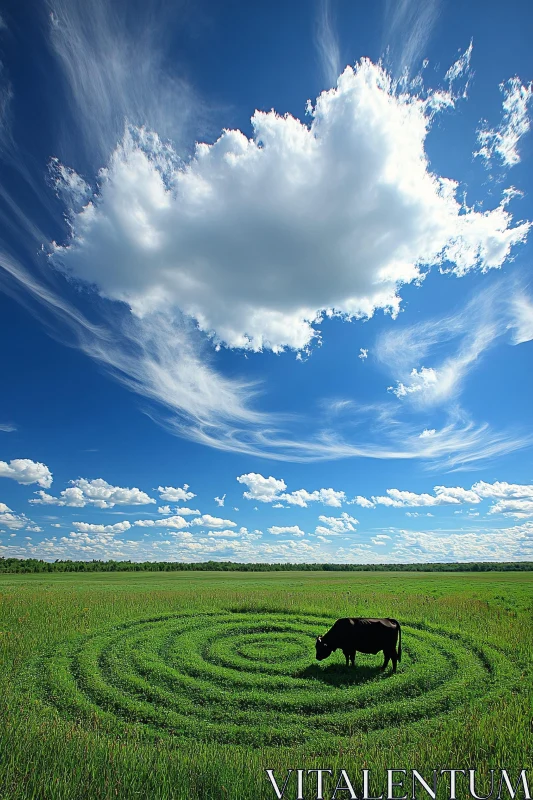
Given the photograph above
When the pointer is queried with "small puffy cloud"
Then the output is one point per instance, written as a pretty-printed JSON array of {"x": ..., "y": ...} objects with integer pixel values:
[
  {"x": 515, "y": 500},
  {"x": 272, "y": 490},
  {"x": 87, "y": 527},
  {"x": 301, "y": 497},
  {"x": 420, "y": 381},
  {"x": 512, "y": 499},
  {"x": 456, "y": 494},
  {"x": 265, "y": 490},
  {"x": 364, "y": 502},
  {"x": 519, "y": 509},
  {"x": 243, "y": 534},
  {"x": 208, "y": 521},
  {"x": 292, "y": 530},
  {"x": 336, "y": 525},
  {"x": 7, "y": 427},
  {"x": 14, "y": 522},
  {"x": 503, "y": 141},
  {"x": 25, "y": 471},
  {"x": 502, "y": 489},
  {"x": 172, "y": 495},
  {"x": 187, "y": 512},
  {"x": 96, "y": 493},
  {"x": 177, "y": 522},
  {"x": 220, "y": 500},
  {"x": 363, "y": 353},
  {"x": 443, "y": 496},
  {"x": 164, "y": 510}
]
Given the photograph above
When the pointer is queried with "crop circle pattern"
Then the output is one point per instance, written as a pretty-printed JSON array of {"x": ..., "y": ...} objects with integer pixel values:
[{"x": 251, "y": 678}]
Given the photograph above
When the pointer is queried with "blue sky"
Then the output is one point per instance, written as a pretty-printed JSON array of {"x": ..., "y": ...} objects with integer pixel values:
[{"x": 265, "y": 281}]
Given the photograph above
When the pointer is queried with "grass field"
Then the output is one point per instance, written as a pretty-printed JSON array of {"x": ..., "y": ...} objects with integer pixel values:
[{"x": 190, "y": 685}]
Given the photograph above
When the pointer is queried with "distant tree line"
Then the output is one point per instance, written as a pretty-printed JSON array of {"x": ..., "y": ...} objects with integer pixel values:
[{"x": 12, "y": 565}]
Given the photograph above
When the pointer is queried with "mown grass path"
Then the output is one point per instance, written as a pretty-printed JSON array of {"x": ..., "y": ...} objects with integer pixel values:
[{"x": 190, "y": 685}]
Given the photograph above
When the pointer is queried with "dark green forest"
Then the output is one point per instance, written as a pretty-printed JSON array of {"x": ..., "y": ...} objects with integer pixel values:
[{"x": 12, "y": 565}]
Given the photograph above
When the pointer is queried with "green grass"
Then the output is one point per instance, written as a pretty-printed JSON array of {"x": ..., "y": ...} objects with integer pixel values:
[{"x": 185, "y": 685}]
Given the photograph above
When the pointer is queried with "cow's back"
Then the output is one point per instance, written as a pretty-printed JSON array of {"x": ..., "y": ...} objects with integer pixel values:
[{"x": 365, "y": 634}]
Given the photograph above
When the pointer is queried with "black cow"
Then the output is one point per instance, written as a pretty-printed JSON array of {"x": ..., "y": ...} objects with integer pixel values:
[{"x": 366, "y": 635}]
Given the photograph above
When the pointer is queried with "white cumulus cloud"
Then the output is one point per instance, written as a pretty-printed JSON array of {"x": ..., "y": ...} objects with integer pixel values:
[
  {"x": 512, "y": 499},
  {"x": 14, "y": 522},
  {"x": 175, "y": 495},
  {"x": 98, "y": 493},
  {"x": 87, "y": 527},
  {"x": 272, "y": 490},
  {"x": 293, "y": 530},
  {"x": 444, "y": 495},
  {"x": 265, "y": 490},
  {"x": 26, "y": 472},
  {"x": 334, "y": 217},
  {"x": 209, "y": 521},
  {"x": 177, "y": 522},
  {"x": 336, "y": 525}
]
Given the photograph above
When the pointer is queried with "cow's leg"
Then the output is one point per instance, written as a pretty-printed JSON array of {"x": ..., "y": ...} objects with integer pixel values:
[
  {"x": 347, "y": 657},
  {"x": 386, "y": 661},
  {"x": 394, "y": 657},
  {"x": 352, "y": 658}
]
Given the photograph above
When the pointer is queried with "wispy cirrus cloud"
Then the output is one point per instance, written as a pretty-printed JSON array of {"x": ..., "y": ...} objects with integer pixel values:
[
  {"x": 427, "y": 379},
  {"x": 503, "y": 140},
  {"x": 6, "y": 95},
  {"x": 116, "y": 67},
  {"x": 461, "y": 67},
  {"x": 218, "y": 415},
  {"x": 327, "y": 43},
  {"x": 407, "y": 29}
]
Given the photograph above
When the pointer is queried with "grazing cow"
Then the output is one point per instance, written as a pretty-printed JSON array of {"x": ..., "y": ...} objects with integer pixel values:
[{"x": 366, "y": 635}]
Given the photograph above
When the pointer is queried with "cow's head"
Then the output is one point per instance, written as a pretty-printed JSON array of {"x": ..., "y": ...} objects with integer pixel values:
[{"x": 323, "y": 650}]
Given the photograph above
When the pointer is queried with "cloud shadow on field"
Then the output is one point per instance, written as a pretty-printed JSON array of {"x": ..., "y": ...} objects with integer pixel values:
[{"x": 340, "y": 674}]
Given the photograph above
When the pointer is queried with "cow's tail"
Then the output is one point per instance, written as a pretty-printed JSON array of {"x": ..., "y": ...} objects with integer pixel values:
[{"x": 399, "y": 638}]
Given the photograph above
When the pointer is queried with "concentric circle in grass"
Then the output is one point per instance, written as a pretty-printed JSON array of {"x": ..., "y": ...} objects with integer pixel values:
[{"x": 251, "y": 677}]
